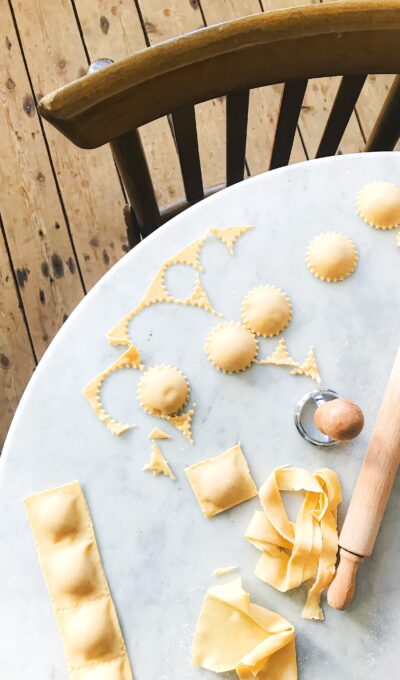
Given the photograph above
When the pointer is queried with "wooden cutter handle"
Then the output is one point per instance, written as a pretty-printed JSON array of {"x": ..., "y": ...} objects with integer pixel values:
[{"x": 371, "y": 492}]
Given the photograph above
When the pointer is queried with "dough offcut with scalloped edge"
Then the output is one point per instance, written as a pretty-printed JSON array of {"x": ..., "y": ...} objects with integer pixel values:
[{"x": 77, "y": 586}]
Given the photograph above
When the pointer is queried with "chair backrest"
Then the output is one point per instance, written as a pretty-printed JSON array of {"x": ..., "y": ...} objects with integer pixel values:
[{"x": 350, "y": 39}]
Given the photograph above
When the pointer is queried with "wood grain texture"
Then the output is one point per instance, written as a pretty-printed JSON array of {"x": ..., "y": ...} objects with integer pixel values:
[
  {"x": 88, "y": 180},
  {"x": 114, "y": 30},
  {"x": 17, "y": 361},
  {"x": 349, "y": 38},
  {"x": 34, "y": 225},
  {"x": 377, "y": 474}
]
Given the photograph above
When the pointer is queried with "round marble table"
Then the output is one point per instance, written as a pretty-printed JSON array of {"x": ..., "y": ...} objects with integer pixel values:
[{"x": 158, "y": 550}]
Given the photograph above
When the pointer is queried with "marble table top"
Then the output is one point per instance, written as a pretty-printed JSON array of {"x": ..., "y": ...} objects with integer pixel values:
[{"x": 158, "y": 550}]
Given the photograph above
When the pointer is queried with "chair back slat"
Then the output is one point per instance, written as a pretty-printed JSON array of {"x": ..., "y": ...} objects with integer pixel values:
[
  {"x": 289, "y": 111},
  {"x": 237, "y": 108},
  {"x": 386, "y": 131},
  {"x": 185, "y": 133},
  {"x": 343, "y": 106},
  {"x": 132, "y": 165}
]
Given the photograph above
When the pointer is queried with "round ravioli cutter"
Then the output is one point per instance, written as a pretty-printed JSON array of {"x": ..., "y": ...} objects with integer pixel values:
[{"x": 323, "y": 418}]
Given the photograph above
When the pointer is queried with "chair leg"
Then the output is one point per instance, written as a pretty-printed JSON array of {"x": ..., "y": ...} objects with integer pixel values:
[
  {"x": 386, "y": 131},
  {"x": 132, "y": 226}
]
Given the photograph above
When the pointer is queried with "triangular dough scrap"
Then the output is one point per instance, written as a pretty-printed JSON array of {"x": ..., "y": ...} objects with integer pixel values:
[
  {"x": 398, "y": 239},
  {"x": 156, "y": 433},
  {"x": 189, "y": 255},
  {"x": 280, "y": 356},
  {"x": 198, "y": 298},
  {"x": 92, "y": 391},
  {"x": 230, "y": 235},
  {"x": 234, "y": 634},
  {"x": 158, "y": 465},
  {"x": 309, "y": 367},
  {"x": 183, "y": 423}
]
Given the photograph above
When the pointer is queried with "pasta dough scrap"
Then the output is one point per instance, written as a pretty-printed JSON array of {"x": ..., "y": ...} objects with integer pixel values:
[
  {"x": 293, "y": 553},
  {"x": 234, "y": 634},
  {"x": 163, "y": 391},
  {"x": 378, "y": 204},
  {"x": 231, "y": 347},
  {"x": 221, "y": 571},
  {"x": 230, "y": 235},
  {"x": 157, "y": 292},
  {"x": 158, "y": 465},
  {"x": 398, "y": 239},
  {"x": 266, "y": 311},
  {"x": 183, "y": 423},
  {"x": 331, "y": 257},
  {"x": 156, "y": 433},
  {"x": 92, "y": 391},
  {"x": 221, "y": 482},
  {"x": 77, "y": 586},
  {"x": 280, "y": 356},
  {"x": 309, "y": 367}
]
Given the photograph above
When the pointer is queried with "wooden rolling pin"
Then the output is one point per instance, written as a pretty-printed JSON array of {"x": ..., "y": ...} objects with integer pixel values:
[{"x": 371, "y": 494}]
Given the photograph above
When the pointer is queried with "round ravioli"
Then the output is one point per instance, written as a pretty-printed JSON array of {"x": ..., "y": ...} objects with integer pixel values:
[
  {"x": 378, "y": 204},
  {"x": 231, "y": 347},
  {"x": 266, "y": 311},
  {"x": 331, "y": 256},
  {"x": 163, "y": 391}
]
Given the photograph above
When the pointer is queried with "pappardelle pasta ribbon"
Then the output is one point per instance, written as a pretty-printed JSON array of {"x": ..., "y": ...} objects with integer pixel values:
[{"x": 296, "y": 552}]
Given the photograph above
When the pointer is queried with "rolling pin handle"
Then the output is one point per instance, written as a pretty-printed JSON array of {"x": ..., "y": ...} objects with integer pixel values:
[{"x": 341, "y": 590}]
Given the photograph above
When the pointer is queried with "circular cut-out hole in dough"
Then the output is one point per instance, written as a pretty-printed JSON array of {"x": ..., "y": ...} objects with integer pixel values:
[
  {"x": 378, "y": 204},
  {"x": 180, "y": 280},
  {"x": 231, "y": 347},
  {"x": 266, "y": 311},
  {"x": 331, "y": 256},
  {"x": 163, "y": 391}
]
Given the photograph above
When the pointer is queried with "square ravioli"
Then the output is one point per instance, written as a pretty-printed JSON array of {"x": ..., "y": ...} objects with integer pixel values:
[{"x": 221, "y": 482}]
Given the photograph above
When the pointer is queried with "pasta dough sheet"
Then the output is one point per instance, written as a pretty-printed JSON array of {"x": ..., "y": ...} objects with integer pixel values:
[
  {"x": 293, "y": 553},
  {"x": 235, "y": 634},
  {"x": 78, "y": 588}
]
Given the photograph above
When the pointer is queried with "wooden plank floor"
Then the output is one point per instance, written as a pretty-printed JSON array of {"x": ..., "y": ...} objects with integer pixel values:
[{"x": 61, "y": 223}]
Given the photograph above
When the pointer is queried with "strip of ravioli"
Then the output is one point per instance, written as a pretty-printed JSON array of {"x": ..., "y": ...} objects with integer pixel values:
[
  {"x": 92, "y": 391},
  {"x": 234, "y": 634},
  {"x": 294, "y": 553},
  {"x": 77, "y": 585},
  {"x": 157, "y": 292},
  {"x": 230, "y": 235}
]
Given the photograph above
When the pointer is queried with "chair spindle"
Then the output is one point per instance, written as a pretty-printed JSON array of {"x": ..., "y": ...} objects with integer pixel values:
[
  {"x": 343, "y": 106},
  {"x": 289, "y": 111},
  {"x": 185, "y": 132},
  {"x": 237, "y": 108},
  {"x": 132, "y": 165},
  {"x": 386, "y": 131}
]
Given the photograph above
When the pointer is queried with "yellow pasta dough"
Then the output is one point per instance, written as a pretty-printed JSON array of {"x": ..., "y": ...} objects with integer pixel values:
[
  {"x": 293, "y": 553},
  {"x": 221, "y": 482},
  {"x": 331, "y": 257},
  {"x": 378, "y": 204},
  {"x": 231, "y": 347},
  {"x": 234, "y": 634},
  {"x": 280, "y": 356},
  {"x": 158, "y": 465},
  {"x": 230, "y": 235},
  {"x": 71, "y": 564},
  {"x": 163, "y": 391},
  {"x": 309, "y": 367},
  {"x": 266, "y": 311},
  {"x": 156, "y": 433}
]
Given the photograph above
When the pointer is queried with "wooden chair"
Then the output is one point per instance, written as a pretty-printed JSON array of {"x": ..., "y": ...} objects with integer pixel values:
[{"x": 351, "y": 39}]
